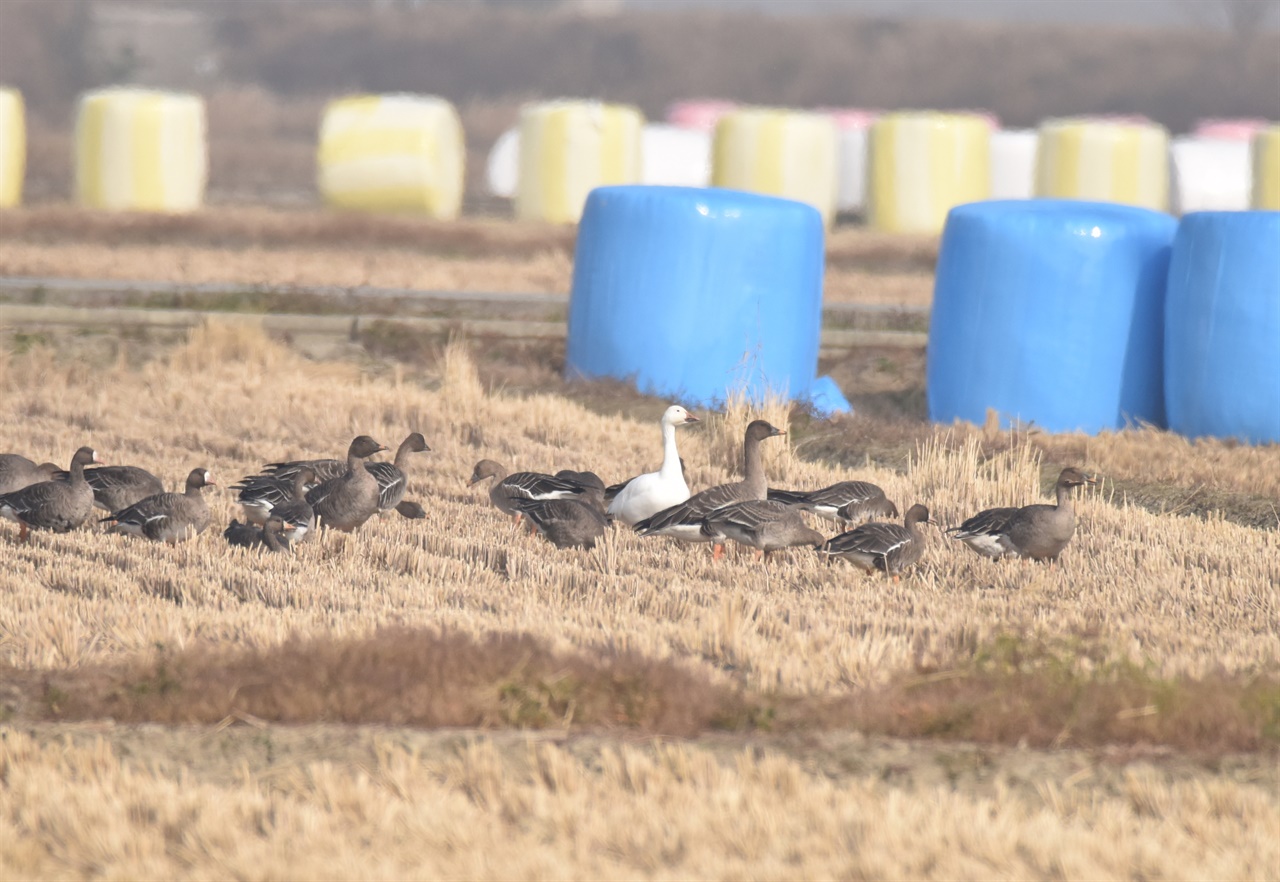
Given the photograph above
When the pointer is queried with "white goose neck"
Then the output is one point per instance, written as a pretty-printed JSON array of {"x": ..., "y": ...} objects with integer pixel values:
[{"x": 670, "y": 456}]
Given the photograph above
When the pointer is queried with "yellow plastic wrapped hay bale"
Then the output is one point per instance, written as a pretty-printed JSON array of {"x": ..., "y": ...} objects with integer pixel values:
[
  {"x": 1105, "y": 160},
  {"x": 13, "y": 147},
  {"x": 923, "y": 164},
  {"x": 392, "y": 153},
  {"x": 1266, "y": 169},
  {"x": 567, "y": 149},
  {"x": 140, "y": 150},
  {"x": 779, "y": 153}
]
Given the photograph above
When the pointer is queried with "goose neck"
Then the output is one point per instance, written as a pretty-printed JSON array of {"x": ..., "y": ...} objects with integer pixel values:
[{"x": 670, "y": 455}]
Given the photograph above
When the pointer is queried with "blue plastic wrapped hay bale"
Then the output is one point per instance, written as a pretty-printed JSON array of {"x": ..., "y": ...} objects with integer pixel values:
[
  {"x": 1050, "y": 312},
  {"x": 1222, "y": 326},
  {"x": 695, "y": 293}
]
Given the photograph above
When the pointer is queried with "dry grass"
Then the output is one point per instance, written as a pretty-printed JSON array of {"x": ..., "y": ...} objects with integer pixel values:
[
  {"x": 1154, "y": 629},
  {"x": 385, "y": 804},
  {"x": 277, "y": 247}
]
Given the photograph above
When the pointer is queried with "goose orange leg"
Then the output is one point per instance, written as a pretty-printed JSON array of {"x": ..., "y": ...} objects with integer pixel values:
[
  {"x": 24, "y": 532},
  {"x": 717, "y": 551}
]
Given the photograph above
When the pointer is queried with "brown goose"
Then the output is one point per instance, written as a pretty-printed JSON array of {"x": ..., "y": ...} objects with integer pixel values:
[
  {"x": 565, "y": 523},
  {"x": 347, "y": 501},
  {"x": 59, "y": 506},
  {"x": 846, "y": 503},
  {"x": 882, "y": 546},
  {"x": 392, "y": 477},
  {"x": 167, "y": 517},
  {"x": 16, "y": 472},
  {"x": 1038, "y": 531},
  {"x": 117, "y": 487},
  {"x": 265, "y": 496},
  {"x": 506, "y": 489},
  {"x": 272, "y": 535},
  {"x": 685, "y": 521},
  {"x": 765, "y": 525},
  {"x": 593, "y": 488}
]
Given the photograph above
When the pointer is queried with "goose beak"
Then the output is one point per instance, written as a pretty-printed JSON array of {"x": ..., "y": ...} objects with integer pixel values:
[
  {"x": 1092, "y": 479},
  {"x": 472, "y": 480},
  {"x": 690, "y": 418},
  {"x": 288, "y": 526},
  {"x": 776, "y": 432}
]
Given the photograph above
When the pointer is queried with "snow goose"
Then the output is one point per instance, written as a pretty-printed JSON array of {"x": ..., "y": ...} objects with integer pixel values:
[
  {"x": 506, "y": 489},
  {"x": 16, "y": 472},
  {"x": 647, "y": 494},
  {"x": 565, "y": 523},
  {"x": 882, "y": 546},
  {"x": 1037, "y": 531},
  {"x": 347, "y": 501},
  {"x": 59, "y": 505},
  {"x": 685, "y": 520},
  {"x": 763, "y": 524},
  {"x": 272, "y": 535},
  {"x": 847, "y": 503},
  {"x": 167, "y": 517}
]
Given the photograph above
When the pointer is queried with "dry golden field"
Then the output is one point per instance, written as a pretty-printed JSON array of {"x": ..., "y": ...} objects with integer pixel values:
[
  {"x": 684, "y": 717},
  {"x": 307, "y": 247}
]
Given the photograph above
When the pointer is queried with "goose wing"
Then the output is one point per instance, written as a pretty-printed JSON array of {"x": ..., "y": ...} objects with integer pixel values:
[
  {"x": 989, "y": 522},
  {"x": 693, "y": 510},
  {"x": 877, "y": 539}
]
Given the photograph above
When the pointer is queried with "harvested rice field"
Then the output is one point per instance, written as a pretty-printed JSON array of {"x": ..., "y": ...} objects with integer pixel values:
[{"x": 453, "y": 697}]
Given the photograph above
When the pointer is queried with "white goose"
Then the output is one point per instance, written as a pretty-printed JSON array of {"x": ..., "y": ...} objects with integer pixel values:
[{"x": 648, "y": 494}]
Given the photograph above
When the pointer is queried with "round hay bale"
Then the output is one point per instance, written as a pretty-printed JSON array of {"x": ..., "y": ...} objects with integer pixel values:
[
  {"x": 567, "y": 149},
  {"x": 696, "y": 294},
  {"x": 13, "y": 147},
  {"x": 1266, "y": 169},
  {"x": 1050, "y": 312},
  {"x": 1013, "y": 163},
  {"x": 775, "y": 152},
  {"x": 502, "y": 172},
  {"x": 403, "y": 153},
  {"x": 854, "y": 127},
  {"x": 1211, "y": 174},
  {"x": 1110, "y": 160},
  {"x": 140, "y": 150},
  {"x": 923, "y": 164},
  {"x": 1222, "y": 327},
  {"x": 699, "y": 114},
  {"x": 675, "y": 157}
]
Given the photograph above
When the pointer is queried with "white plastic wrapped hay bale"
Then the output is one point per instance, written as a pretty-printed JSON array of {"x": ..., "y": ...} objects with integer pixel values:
[
  {"x": 502, "y": 170},
  {"x": 392, "y": 153},
  {"x": 1105, "y": 160},
  {"x": 1266, "y": 169},
  {"x": 1013, "y": 163},
  {"x": 853, "y": 126},
  {"x": 567, "y": 149},
  {"x": 784, "y": 153},
  {"x": 675, "y": 157},
  {"x": 13, "y": 147},
  {"x": 1211, "y": 174},
  {"x": 140, "y": 150},
  {"x": 923, "y": 164}
]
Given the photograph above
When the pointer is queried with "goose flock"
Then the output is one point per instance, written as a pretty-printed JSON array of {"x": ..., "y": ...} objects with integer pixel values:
[{"x": 288, "y": 501}]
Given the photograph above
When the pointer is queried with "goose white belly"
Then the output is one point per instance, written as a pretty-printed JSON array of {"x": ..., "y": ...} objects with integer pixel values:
[{"x": 645, "y": 496}]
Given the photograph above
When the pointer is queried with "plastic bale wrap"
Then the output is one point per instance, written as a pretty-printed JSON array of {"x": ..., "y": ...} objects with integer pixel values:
[
  {"x": 1222, "y": 327},
  {"x": 1242, "y": 129},
  {"x": 1050, "y": 312},
  {"x": 698, "y": 114},
  {"x": 502, "y": 171},
  {"x": 675, "y": 157},
  {"x": 1109, "y": 160},
  {"x": 1211, "y": 174},
  {"x": 1013, "y": 163},
  {"x": 694, "y": 294},
  {"x": 140, "y": 150},
  {"x": 400, "y": 153},
  {"x": 13, "y": 147},
  {"x": 854, "y": 127},
  {"x": 568, "y": 148},
  {"x": 778, "y": 153},
  {"x": 922, "y": 165},
  {"x": 1266, "y": 169}
]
